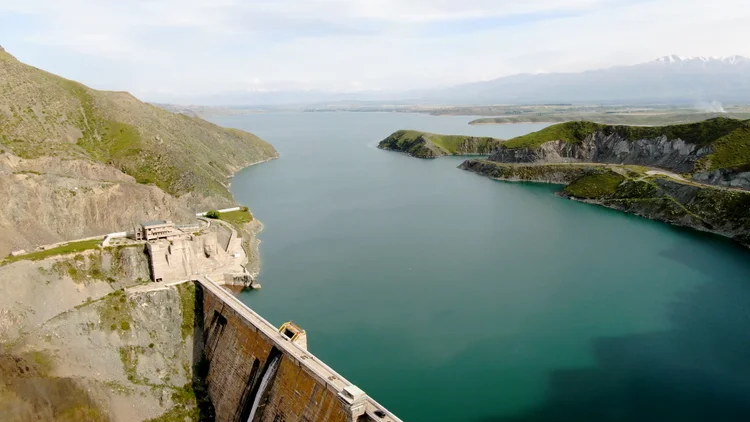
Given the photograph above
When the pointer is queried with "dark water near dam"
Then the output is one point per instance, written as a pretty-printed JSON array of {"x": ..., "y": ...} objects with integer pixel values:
[{"x": 447, "y": 296}]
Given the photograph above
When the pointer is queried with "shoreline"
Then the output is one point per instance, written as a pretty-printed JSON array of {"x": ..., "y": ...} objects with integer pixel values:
[
  {"x": 678, "y": 211},
  {"x": 253, "y": 242},
  {"x": 231, "y": 176}
]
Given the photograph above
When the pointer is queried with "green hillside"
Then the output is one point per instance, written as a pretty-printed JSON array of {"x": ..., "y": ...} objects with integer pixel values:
[
  {"x": 42, "y": 114},
  {"x": 729, "y": 138},
  {"x": 431, "y": 145},
  {"x": 570, "y": 132}
]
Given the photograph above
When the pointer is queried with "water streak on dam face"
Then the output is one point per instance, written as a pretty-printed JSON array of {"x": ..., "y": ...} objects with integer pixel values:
[
  {"x": 264, "y": 382},
  {"x": 293, "y": 385}
]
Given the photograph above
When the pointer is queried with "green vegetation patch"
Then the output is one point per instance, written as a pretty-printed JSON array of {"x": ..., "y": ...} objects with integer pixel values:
[
  {"x": 595, "y": 185},
  {"x": 452, "y": 143},
  {"x": 187, "y": 305},
  {"x": 636, "y": 189},
  {"x": 42, "y": 361},
  {"x": 700, "y": 133},
  {"x": 115, "y": 312},
  {"x": 732, "y": 150},
  {"x": 237, "y": 218},
  {"x": 71, "y": 247},
  {"x": 431, "y": 145},
  {"x": 118, "y": 144},
  {"x": 129, "y": 357},
  {"x": 724, "y": 206},
  {"x": 729, "y": 138},
  {"x": 570, "y": 132},
  {"x": 179, "y": 413}
]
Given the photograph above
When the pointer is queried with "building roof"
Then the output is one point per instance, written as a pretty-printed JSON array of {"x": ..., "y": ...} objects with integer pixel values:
[{"x": 154, "y": 223}]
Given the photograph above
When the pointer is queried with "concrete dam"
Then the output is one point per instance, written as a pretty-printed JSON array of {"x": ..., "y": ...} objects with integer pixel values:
[{"x": 258, "y": 373}]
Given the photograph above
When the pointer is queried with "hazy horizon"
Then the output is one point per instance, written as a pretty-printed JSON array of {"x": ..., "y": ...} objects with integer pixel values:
[{"x": 163, "y": 50}]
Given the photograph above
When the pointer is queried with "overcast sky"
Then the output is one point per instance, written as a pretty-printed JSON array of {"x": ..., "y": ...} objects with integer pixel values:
[{"x": 165, "y": 49}]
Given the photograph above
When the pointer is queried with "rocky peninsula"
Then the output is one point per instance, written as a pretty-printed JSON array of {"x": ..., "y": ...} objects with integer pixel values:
[
  {"x": 634, "y": 169},
  {"x": 431, "y": 145}
]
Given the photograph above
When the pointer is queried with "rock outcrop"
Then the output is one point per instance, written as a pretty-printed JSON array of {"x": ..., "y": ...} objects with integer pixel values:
[
  {"x": 44, "y": 208},
  {"x": 121, "y": 355},
  {"x": 675, "y": 155},
  {"x": 729, "y": 177},
  {"x": 550, "y": 173},
  {"x": 715, "y": 151}
]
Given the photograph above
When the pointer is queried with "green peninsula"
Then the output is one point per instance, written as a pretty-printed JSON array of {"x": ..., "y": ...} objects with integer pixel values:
[
  {"x": 695, "y": 175},
  {"x": 431, "y": 145}
]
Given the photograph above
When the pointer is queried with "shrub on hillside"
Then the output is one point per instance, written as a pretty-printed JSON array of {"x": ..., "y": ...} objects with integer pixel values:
[{"x": 213, "y": 214}]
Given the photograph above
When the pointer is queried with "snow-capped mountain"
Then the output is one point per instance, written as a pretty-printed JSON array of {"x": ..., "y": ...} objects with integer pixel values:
[
  {"x": 678, "y": 60},
  {"x": 669, "y": 80}
]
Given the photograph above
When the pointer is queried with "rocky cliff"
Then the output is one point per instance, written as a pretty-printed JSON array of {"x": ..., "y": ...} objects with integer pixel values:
[
  {"x": 712, "y": 209},
  {"x": 430, "y": 145},
  {"x": 75, "y": 346},
  {"x": 560, "y": 174},
  {"x": 715, "y": 151},
  {"x": 599, "y": 147},
  {"x": 77, "y": 162},
  {"x": 738, "y": 177}
]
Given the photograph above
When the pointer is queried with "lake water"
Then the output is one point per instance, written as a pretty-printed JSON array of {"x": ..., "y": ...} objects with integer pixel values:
[{"x": 451, "y": 297}]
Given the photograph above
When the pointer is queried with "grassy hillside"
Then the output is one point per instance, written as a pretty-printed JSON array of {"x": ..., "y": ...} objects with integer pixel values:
[
  {"x": 42, "y": 114},
  {"x": 729, "y": 138},
  {"x": 76, "y": 162},
  {"x": 571, "y": 132},
  {"x": 430, "y": 145}
]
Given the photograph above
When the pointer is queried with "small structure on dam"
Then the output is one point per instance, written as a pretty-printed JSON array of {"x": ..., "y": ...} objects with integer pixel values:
[
  {"x": 156, "y": 229},
  {"x": 257, "y": 373},
  {"x": 253, "y": 371},
  {"x": 295, "y": 334},
  {"x": 180, "y": 252}
]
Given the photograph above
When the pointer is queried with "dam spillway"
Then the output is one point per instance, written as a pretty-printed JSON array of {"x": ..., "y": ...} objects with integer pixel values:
[{"x": 256, "y": 373}]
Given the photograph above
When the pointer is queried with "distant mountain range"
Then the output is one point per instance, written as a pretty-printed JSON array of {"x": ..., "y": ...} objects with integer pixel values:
[
  {"x": 666, "y": 80},
  {"x": 670, "y": 79}
]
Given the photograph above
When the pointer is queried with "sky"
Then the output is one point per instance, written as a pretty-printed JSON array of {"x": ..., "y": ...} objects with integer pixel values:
[{"x": 173, "y": 50}]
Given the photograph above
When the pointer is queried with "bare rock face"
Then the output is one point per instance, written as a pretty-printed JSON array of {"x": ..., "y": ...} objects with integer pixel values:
[
  {"x": 556, "y": 174},
  {"x": 120, "y": 355},
  {"x": 675, "y": 155},
  {"x": 42, "y": 208},
  {"x": 733, "y": 178}
]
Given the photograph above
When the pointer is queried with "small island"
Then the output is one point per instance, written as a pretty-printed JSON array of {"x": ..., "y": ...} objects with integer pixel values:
[{"x": 430, "y": 145}]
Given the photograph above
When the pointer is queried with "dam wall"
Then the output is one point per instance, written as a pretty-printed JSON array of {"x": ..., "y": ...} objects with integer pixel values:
[{"x": 257, "y": 373}]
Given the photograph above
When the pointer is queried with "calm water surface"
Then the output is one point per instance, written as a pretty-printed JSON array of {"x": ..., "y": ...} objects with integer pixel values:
[{"x": 451, "y": 297}]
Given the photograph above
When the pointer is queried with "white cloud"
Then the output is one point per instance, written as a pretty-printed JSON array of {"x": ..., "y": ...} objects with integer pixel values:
[{"x": 195, "y": 46}]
